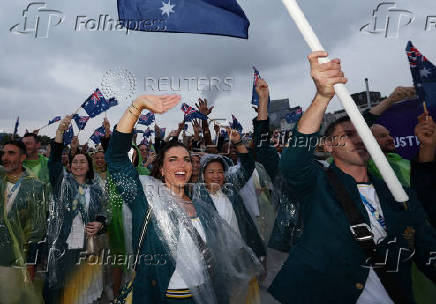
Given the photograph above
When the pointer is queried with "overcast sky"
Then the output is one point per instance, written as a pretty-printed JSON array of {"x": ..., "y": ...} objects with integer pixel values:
[{"x": 42, "y": 78}]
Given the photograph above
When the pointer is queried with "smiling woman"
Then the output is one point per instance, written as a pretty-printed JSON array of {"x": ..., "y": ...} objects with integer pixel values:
[{"x": 205, "y": 261}]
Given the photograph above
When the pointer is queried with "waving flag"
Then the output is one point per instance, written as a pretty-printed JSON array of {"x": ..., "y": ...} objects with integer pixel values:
[
  {"x": 17, "y": 123},
  {"x": 55, "y": 119},
  {"x": 97, "y": 135},
  {"x": 95, "y": 104},
  {"x": 146, "y": 119},
  {"x": 68, "y": 135},
  {"x": 255, "y": 96},
  {"x": 191, "y": 113},
  {"x": 212, "y": 17},
  {"x": 81, "y": 121},
  {"x": 423, "y": 74},
  {"x": 294, "y": 115},
  {"x": 235, "y": 124},
  {"x": 147, "y": 133},
  {"x": 138, "y": 131},
  {"x": 112, "y": 102},
  {"x": 185, "y": 127},
  {"x": 162, "y": 133}
]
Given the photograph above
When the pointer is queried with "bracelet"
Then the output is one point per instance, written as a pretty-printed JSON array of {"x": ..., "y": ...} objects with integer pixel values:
[
  {"x": 133, "y": 105},
  {"x": 136, "y": 115}
]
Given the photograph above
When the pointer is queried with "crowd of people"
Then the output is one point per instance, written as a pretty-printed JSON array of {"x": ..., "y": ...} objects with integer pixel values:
[{"x": 223, "y": 218}]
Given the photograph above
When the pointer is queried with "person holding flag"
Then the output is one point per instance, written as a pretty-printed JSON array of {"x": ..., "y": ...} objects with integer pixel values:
[{"x": 351, "y": 220}]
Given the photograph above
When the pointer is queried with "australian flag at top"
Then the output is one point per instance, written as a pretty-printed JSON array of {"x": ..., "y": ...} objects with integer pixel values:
[
  {"x": 81, "y": 121},
  {"x": 255, "y": 96},
  {"x": 68, "y": 135},
  {"x": 146, "y": 119},
  {"x": 55, "y": 119},
  {"x": 191, "y": 113},
  {"x": 212, "y": 17},
  {"x": 95, "y": 104},
  {"x": 97, "y": 135},
  {"x": 424, "y": 75}
]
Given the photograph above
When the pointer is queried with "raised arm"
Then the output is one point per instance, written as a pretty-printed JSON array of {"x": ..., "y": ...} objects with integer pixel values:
[
  {"x": 120, "y": 167},
  {"x": 297, "y": 163}
]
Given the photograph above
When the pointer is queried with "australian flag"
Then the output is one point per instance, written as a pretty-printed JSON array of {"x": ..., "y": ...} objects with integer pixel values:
[
  {"x": 294, "y": 116},
  {"x": 146, "y": 119},
  {"x": 138, "y": 131},
  {"x": 147, "y": 133},
  {"x": 255, "y": 96},
  {"x": 55, "y": 119},
  {"x": 235, "y": 124},
  {"x": 162, "y": 133},
  {"x": 191, "y": 113},
  {"x": 424, "y": 75},
  {"x": 68, "y": 135},
  {"x": 212, "y": 17},
  {"x": 81, "y": 121},
  {"x": 97, "y": 135},
  {"x": 95, "y": 104}
]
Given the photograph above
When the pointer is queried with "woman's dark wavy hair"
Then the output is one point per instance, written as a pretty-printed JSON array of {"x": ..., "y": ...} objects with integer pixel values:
[
  {"x": 90, "y": 172},
  {"x": 158, "y": 162}
]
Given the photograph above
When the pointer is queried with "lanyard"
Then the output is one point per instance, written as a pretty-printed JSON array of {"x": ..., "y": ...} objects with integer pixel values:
[{"x": 375, "y": 213}]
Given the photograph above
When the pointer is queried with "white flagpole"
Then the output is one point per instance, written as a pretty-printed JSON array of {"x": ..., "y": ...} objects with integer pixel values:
[{"x": 350, "y": 107}]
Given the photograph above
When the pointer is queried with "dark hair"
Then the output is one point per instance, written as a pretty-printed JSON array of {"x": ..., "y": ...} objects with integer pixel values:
[
  {"x": 32, "y": 135},
  {"x": 21, "y": 146},
  {"x": 90, "y": 172},
  {"x": 158, "y": 162},
  {"x": 332, "y": 126},
  {"x": 214, "y": 160}
]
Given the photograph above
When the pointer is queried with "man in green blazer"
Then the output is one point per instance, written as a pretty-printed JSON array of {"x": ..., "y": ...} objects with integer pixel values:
[{"x": 327, "y": 265}]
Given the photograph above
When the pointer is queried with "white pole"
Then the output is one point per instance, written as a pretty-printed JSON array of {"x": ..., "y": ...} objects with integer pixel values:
[{"x": 350, "y": 107}]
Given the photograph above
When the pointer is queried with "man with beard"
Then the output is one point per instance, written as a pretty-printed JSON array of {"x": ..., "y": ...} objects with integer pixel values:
[
  {"x": 22, "y": 224},
  {"x": 358, "y": 242}
]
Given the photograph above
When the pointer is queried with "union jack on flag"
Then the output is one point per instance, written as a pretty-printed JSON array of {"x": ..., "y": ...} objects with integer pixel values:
[
  {"x": 95, "y": 104},
  {"x": 191, "y": 113},
  {"x": 81, "y": 121},
  {"x": 146, "y": 119},
  {"x": 423, "y": 74}
]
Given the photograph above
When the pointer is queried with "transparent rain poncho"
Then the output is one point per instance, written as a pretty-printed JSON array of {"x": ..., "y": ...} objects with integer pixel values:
[
  {"x": 233, "y": 263},
  {"x": 61, "y": 216}
]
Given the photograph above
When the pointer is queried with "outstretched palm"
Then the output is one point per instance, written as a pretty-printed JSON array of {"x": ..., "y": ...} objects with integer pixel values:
[{"x": 158, "y": 104}]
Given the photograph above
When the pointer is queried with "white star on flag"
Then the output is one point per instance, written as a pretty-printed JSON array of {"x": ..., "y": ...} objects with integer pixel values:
[
  {"x": 424, "y": 72},
  {"x": 167, "y": 8}
]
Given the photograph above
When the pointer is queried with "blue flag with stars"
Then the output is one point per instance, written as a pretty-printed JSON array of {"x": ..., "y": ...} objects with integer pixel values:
[
  {"x": 55, "y": 119},
  {"x": 146, "y": 119},
  {"x": 212, "y": 17},
  {"x": 235, "y": 124},
  {"x": 95, "y": 104},
  {"x": 190, "y": 113},
  {"x": 68, "y": 135},
  {"x": 255, "y": 96},
  {"x": 294, "y": 115},
  {"x": 97, "y": 135},
  {"x": 423, "y": 74},
  {"x": 81, "y": 121}
]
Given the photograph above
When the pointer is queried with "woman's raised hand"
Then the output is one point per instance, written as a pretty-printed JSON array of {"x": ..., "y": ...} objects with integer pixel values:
[{"x": 158, "y": 104}]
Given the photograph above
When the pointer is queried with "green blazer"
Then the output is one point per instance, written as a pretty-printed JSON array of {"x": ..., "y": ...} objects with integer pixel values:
[{"x": 325, "y": 265}]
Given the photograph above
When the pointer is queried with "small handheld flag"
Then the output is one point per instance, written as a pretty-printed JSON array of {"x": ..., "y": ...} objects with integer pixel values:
[
  {"x": 68, "y": 135},
  {"x": 255, "y": 96},
  {"x": 55, "y": 119},
  {"x": 147, "y": 133},
  {"x": 147, "y": 119},
  {"x": 423, "y": 74},
  {"x": 294, "y": 115},
  {"x": 235, "y": 124},
  {"x": 95, "y": 104},
  {"x": 97, "y": 135},
  {"x": 81, "y": 121},
  {"x": 191, "y": 113}
]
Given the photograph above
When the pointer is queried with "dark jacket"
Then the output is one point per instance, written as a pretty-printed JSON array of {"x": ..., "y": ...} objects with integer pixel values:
[
  {"x": 423, "y": 181},
  {"x": 324, "y": 266}
]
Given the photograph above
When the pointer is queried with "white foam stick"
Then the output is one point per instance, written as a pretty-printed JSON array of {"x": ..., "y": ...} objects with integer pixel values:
[{"x": 350, "y": 107}]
